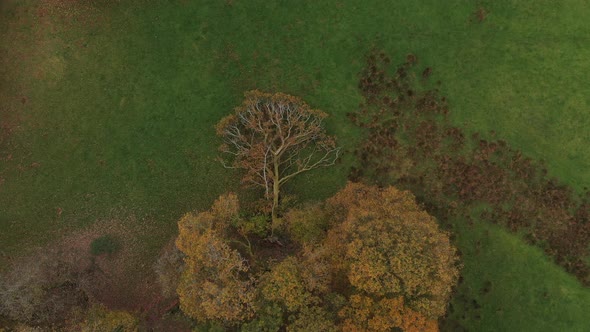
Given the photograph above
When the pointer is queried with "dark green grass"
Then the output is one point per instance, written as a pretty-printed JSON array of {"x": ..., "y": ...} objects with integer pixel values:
[
  {"x": 124, "y": 125},
  {"x": 105, "y": 244}
]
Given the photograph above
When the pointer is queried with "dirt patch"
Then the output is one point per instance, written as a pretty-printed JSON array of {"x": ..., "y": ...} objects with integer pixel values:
[{"x": 123, "y": 280}]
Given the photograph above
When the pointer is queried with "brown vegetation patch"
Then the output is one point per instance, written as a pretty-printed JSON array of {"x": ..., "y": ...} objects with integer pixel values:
[
  {"x": 480, "y": 14},
  {"x": 122, "y": 280},
  {"x": 32, "y": 42},
  {"x": 411, "y": 144},
  {"x": 35, "y": 36}
]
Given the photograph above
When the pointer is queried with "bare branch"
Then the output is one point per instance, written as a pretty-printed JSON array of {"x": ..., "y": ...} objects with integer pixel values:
[
  {"x": 275, "y": 137},
  {"x": 328, "y": 159}
]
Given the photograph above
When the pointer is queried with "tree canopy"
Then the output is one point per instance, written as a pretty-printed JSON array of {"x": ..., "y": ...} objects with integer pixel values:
[
  {"x": 213, "y": 285},
  {"x": 390, "y": 249},
  {"x": 379, "y": 263},
  {"x": 275, "y": 137}
]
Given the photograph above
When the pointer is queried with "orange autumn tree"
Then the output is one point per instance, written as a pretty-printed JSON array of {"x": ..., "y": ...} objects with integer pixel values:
[
  {"x": 214, "y": 285},
  {"x": 275, "y": 137},
  {"x": 375, "y": 262},
  {"x": 296, "y": 288},
  {"x": 362, "y": 313},
  {"x": 400, "y": 266}
]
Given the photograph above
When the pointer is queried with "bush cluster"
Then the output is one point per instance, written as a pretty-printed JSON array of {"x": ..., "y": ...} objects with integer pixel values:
[{"x": 105, "y": 244}]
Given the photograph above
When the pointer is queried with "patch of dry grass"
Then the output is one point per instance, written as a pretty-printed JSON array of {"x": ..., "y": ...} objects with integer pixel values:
[{"x": 122, "y": 281}]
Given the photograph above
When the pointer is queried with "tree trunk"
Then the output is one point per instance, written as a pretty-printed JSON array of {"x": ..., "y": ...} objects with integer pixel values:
[{"x": 275, "y": 195}]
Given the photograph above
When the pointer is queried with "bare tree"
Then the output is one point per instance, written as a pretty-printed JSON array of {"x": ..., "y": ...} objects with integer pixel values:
[{"x": 275, "y": 137}]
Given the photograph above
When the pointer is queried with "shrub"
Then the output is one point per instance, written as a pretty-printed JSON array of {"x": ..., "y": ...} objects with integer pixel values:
[
  {"x": 269, "y": 318},
  {"x": 307, "y": 224},
  {"x": 257, "y": 225},
  {"x": 100, "y": 319},
  {"x": 106, "y": 244}
]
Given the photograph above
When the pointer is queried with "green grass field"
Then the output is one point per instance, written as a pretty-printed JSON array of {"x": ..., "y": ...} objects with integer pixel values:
[
  {"x": 509, "y": 286},
  {"x": 111, "y": 110}
]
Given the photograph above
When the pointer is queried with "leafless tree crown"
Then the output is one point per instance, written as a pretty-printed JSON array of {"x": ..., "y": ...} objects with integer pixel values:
[{"x": 274, "y": 137}]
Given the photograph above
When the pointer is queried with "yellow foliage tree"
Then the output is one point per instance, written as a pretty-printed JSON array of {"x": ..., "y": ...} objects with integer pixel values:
[
  {"x": 214, "y": 285},
  {"x": 284, "y": 284},
  {"x": 362, "y": 313},
  {"x": 312, "y": 318},
  {"x": 100, "y": 318},
  {"x": 389, "y": 248},
  {"x": 298, "y": 284},
  {"x": 383, "y": 265}
]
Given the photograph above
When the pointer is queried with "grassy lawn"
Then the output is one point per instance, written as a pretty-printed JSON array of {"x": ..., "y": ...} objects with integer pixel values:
[
  {"x": 509, "y": 286},
  {"x": 111, "y": 109}
]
